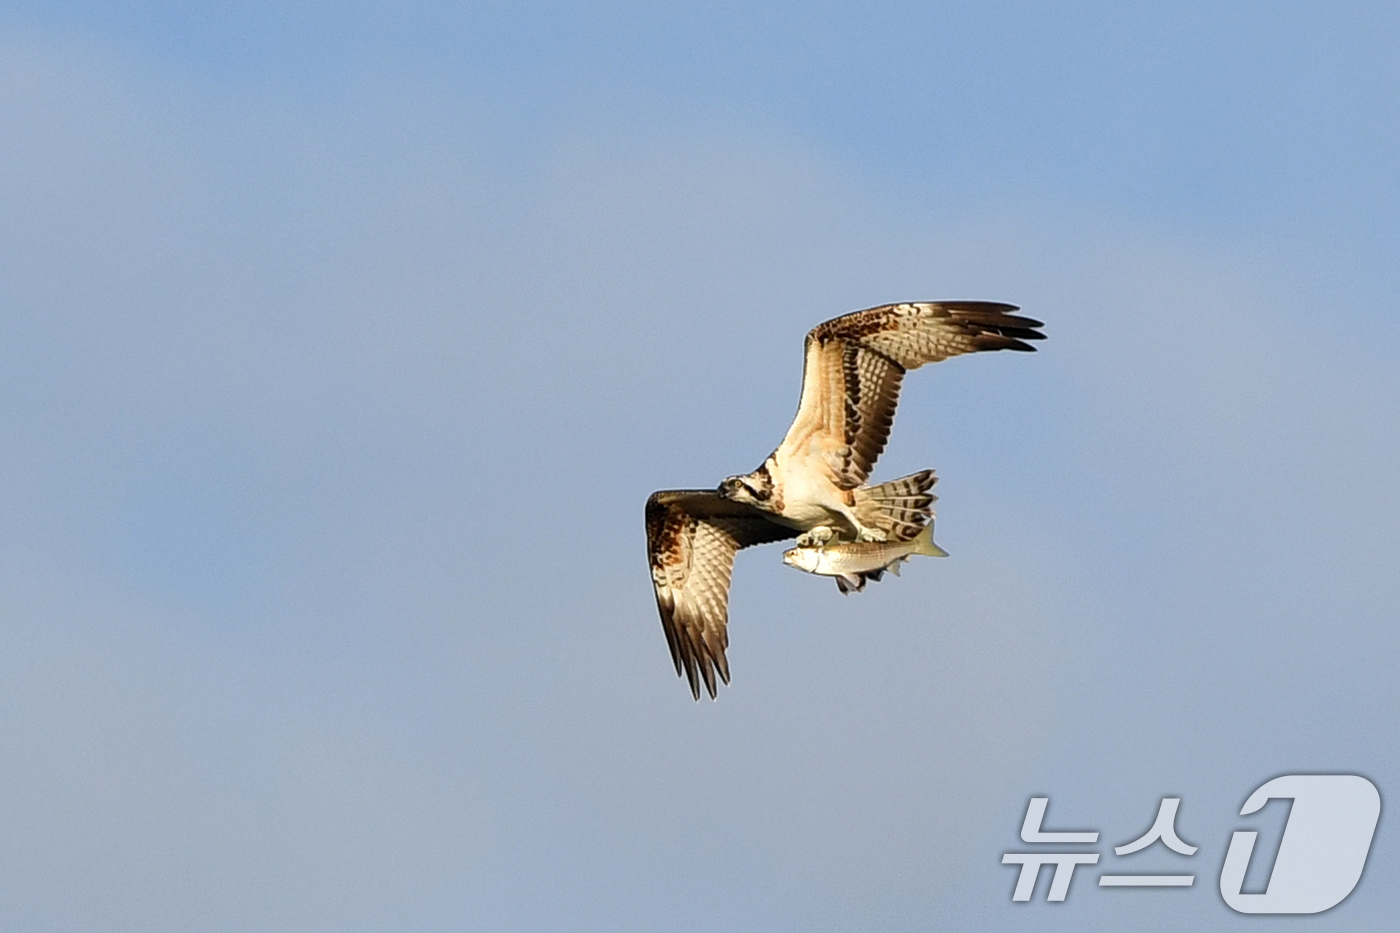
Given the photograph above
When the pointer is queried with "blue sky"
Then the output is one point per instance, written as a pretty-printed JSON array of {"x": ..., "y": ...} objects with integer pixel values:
[{"x": 340, "y": 348}]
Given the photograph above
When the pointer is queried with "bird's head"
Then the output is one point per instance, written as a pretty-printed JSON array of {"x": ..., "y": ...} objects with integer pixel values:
[{"x": 753, "y": 489}]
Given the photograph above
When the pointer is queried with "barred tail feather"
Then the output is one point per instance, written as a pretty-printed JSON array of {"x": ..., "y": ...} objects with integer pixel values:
[{"x": 900, "y": 508}]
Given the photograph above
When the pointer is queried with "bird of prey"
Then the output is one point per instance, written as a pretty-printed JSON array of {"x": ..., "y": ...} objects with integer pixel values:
[{"x": 813, "y": 485}]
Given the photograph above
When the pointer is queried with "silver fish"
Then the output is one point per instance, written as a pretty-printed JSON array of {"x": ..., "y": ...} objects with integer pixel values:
[{"x": 854, "y": 562}]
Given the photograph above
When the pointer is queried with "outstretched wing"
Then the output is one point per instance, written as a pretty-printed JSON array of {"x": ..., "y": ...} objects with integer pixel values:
[
  {"x": 855, "y": 364},
  {"x": 692, "y": 536}
]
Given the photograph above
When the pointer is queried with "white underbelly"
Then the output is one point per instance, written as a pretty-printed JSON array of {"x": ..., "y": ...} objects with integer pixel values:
[{"x": 810, "y": 499}]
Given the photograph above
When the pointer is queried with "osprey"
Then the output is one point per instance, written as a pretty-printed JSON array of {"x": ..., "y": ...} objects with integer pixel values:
[{"x": 813, "y": 486}]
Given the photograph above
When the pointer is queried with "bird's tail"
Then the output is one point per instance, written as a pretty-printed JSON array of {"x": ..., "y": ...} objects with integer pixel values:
[{"x": 900, "y": 508}]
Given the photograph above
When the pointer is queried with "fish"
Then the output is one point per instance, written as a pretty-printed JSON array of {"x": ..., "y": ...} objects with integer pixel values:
[{"x": 854, "y": 562}]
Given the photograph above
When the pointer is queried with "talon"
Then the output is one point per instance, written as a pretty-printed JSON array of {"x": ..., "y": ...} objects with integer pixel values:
[
  {"x": 816, "y": 537},
  {"x": 872, "y": 534}
]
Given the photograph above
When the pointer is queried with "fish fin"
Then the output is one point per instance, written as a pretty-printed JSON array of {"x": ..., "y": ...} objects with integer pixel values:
[{"x": 848, "y": 583}]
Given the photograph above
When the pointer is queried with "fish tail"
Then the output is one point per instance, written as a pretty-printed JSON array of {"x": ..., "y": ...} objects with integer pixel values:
[{"x": 923, "y": 543}]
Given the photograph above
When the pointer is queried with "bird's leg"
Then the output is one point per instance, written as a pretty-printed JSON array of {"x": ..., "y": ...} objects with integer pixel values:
[
  {"x": 872, "y": 534},
  {"x": 816, "y": 537}
]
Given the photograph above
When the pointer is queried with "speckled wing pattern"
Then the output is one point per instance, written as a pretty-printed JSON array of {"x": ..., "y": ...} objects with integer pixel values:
[
  {"x": 692, "y": 537},
  {"x": 856, "y": 363}
]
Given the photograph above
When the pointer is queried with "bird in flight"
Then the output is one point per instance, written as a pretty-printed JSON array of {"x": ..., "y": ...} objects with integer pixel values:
[{"x": 813, "y": 486}]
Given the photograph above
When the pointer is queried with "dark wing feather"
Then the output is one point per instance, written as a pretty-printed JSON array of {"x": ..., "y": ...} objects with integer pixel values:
[
  {"x": 692, "y": 537},
  {"x": 874, "y": 348}
]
